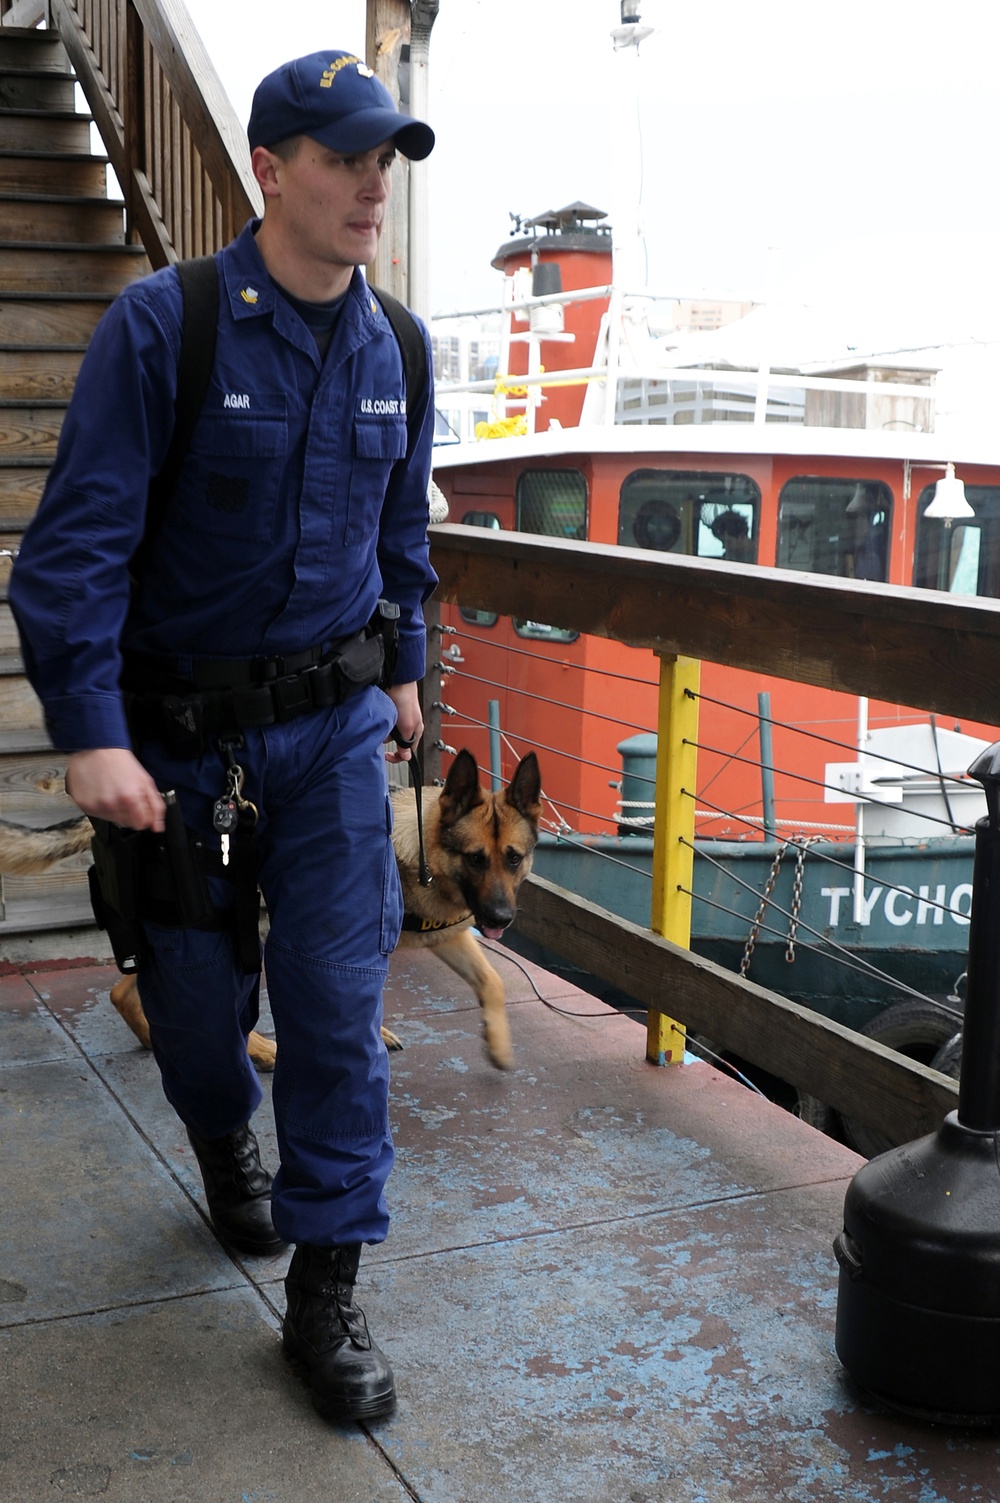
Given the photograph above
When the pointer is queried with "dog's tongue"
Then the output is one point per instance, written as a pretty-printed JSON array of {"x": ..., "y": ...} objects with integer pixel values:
[{"x": 492, "y": 933}]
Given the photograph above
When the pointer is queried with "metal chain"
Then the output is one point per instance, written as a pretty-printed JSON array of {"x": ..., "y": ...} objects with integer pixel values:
[
  {"x": 793, "y": 922},
  {"x": 772, "y": 877}
]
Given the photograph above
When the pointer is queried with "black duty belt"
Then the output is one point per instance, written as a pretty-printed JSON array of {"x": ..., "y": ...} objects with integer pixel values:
[
  {"x": 221, "y": 697},
  {"x": 231, "y": 673}
]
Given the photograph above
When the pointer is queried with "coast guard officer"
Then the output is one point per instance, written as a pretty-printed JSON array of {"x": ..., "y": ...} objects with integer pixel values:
[{"x": 300, "y": 503}]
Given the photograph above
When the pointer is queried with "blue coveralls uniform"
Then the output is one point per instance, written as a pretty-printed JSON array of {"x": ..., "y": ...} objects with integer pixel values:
[{"x": 301, "y": 502}]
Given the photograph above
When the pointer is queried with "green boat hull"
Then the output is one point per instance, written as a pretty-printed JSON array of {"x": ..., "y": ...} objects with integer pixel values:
[{"x": 910, "y": 935}]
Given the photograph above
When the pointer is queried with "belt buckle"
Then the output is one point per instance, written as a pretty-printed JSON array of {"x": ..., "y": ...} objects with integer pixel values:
[{"x": 288, "y": 704}]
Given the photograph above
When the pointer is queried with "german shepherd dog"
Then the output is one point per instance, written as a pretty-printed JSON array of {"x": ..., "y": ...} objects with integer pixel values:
[{"x": 478, "y": 848}]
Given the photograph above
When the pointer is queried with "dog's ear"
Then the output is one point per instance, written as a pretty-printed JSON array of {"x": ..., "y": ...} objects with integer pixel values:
[
  {"x": 461, "y": 791},
  {"x": 524, "y": 791}
]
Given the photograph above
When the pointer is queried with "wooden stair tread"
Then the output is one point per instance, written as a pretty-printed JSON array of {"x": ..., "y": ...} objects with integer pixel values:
[
  {"x": 22, "y": 154},
  {"x": 22, "y": 294},
  {"x": 17, "y": 505},
  {"x": 30, "y": 88},
  {"x": 63, "y": 910},
  {"x": 71, "y": 246},
  {"x": 70, "y": 175},
  {"x": 19, "y": 743},
  {"x": 42, "y": 349},
  {"x": 30, "y": 34},
  {"x": 74, "y": 200},
  {"x": 26, "y": 113},
  {"x": 22, "y": 403},
  {"x": 44, "y": 803},
  {"x": 14, "y": 69}
]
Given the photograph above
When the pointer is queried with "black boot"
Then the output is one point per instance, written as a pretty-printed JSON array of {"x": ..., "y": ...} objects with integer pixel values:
[
  {"x": 238, "y": 1190},
  {"x": 324, "y": 1329}
]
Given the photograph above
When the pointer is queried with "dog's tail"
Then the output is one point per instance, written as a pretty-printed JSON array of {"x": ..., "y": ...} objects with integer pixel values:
[{"x": 24, "y": 851}]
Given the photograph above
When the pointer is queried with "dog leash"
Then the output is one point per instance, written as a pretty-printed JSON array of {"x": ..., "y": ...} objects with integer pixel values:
[{"x": 424, "y": 876}]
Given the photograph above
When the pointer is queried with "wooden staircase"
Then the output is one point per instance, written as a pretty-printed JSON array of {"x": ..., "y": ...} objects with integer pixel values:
[{"x": 63, "y": 257}]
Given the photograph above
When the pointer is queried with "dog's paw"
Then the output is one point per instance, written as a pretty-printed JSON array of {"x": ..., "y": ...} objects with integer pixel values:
[
  {"x": 125, "y": 999},
  {"x": 499, "y": 1048},
  {"x": 262, "y": 1051},
  {"x": 391, "y": 1040}
]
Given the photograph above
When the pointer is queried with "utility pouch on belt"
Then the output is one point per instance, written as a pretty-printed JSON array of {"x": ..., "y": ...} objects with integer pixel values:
[
  {"x": 384, "y": 626},
  {"x": 115, "y": 878},
  {"x": 360, "y": 662}
]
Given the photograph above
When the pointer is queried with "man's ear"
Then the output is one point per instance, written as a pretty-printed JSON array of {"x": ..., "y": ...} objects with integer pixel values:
[{"x": 265, "y": 169}]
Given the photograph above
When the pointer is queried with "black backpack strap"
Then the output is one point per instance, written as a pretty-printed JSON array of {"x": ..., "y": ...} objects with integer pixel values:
[
  {"x": 411, "y": 347},
  {"x": 200, "y": 292}
]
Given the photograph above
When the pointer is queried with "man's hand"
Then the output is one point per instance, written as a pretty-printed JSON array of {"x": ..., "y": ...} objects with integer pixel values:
[
  {"x": 110, "y": 783},
  {"x": 409, "y": 722}
]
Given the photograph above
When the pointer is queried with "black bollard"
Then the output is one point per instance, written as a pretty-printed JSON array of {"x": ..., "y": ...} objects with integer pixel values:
[{"x": 918, "y": 1303}]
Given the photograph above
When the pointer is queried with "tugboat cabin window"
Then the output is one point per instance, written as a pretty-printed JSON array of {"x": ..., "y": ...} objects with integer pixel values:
[
  {"x": 832, "y": 526},
  {"x": 480, "y": 519},
  {"x": 963, "y": 559},
  {"x": 682, "y": 511},
  {"x": 554, "y": 504}
]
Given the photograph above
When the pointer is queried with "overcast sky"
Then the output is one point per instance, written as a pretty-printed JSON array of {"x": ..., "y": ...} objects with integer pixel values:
[{"x": 841, "y": 153}]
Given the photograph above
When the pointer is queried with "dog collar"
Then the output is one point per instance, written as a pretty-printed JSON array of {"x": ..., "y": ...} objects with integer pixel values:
[{"x": 413, "y": 922}]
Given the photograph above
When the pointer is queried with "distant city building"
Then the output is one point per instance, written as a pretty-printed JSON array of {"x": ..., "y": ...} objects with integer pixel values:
[
  {"x": 457, "y": 358},
  {"x": 466, "y": 348}
]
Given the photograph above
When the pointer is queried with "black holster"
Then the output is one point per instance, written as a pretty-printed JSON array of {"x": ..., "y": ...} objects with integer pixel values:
[
  {"x": 115, "y": 880},
  {"x": 385, "y": 624},
  {"x": 138, "y": 875},
  {"x": 194, "y": 906}
]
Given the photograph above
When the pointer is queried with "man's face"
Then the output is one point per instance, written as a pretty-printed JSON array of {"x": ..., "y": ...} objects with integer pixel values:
[{"x": 332, "y": 205}]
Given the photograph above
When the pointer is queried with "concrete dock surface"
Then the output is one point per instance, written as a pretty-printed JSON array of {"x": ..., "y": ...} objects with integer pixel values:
[{"x": 605, "y": 1282}]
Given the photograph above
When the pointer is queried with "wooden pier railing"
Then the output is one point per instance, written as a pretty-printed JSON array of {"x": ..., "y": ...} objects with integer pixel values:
[{"x": 917, "y": 647}]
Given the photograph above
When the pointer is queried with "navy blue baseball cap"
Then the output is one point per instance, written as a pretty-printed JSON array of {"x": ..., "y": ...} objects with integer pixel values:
[{"x": 334, "y": 98}]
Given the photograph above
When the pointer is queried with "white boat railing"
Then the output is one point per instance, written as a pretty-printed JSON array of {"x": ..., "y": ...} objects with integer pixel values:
[
  {"x": 659, "y": 391},
  {"x": 734, "y": 378}
]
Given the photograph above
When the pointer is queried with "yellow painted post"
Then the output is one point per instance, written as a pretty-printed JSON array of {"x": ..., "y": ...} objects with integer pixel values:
[{"x": 673, "y": 832}]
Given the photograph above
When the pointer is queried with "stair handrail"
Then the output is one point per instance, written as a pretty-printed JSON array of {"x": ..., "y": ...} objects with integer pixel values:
[{"x": 173, "y": 138}]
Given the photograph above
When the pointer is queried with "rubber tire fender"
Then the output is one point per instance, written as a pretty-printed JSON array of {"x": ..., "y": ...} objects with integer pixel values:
[{"x": 920, "y": 1030}]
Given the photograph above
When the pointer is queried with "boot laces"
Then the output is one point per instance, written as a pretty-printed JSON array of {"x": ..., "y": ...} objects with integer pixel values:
[
  {"x": 338, "y": 1293},
  {"x": 247, "y": 1171}
]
